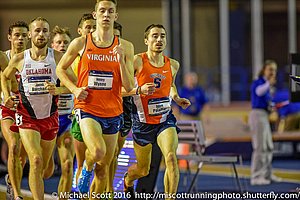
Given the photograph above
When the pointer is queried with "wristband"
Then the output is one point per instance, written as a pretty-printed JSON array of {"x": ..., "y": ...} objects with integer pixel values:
[{"x": 137, "y": 92}]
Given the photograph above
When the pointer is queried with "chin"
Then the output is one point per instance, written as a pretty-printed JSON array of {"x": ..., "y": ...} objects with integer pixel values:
[{"x": 40, "y": 46}]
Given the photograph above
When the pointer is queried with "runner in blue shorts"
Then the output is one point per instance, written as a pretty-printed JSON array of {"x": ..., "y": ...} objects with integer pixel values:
[
  {"x": 125, "y": 130},
  {"x": 153, "y": 120}
]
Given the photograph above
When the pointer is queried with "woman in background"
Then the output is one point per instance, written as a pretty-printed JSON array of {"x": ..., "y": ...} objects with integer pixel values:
[{"x": 262, "y": 143}]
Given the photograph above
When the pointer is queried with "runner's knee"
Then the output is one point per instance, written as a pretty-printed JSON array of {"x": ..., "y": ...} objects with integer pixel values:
[
  {"x": 171, "y": 159},
  {"x": 37, "y": 162},
  {"x": 67, "y": 142},
  {"x": 98, "y": 153}
]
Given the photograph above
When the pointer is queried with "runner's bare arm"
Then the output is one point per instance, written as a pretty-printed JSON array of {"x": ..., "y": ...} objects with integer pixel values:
[
  {"x": 3, "y": 61},
  {"x": 66, "y": 61},
  {"x": 126, "y": 52},
  {"x": 137, "y": 63},
  {"x": 147, "y": 88},
  {"x": 184, "y": 103},
  {"x": 62, "y": 89},
  {"x": 3, "y": 64},
  {"x": 15, "y": 64}
]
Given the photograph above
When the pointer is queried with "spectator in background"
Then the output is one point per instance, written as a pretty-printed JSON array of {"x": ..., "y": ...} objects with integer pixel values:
[
  {"x": 192, "y": 91},
  {"x": 288, "y": 112},
  {"x": 262, "y": 143}
]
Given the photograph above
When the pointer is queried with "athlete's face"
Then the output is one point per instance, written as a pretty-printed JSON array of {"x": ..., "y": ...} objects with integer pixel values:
[
  {"x": 19, "y": 38},
  {"x": 270, "y": 71},
  {"x": 105, "y": 13},
  {"x": 88, "y": 26},
  {"x": 39, "y": 33},
  {"x": 156, "y": 40},
  {"x": 60, "y": 42},
  {"x": 190, "y": 80}
]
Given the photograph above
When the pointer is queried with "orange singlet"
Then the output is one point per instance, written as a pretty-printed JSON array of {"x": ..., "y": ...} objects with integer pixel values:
[
  {"x": 154, "y": 109},
  {"x": 99, "y": 69}
]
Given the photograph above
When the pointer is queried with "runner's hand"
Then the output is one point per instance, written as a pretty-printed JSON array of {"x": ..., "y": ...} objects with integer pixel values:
[
  {"x": 80, "y": 93},
  {"x": 119, "y": 50},
  {"x": 51, "y": 87},
  {"x": 182, "y": 102},
  {"x": 148, "y": 88},
  {"x": 9, "y": 102}
]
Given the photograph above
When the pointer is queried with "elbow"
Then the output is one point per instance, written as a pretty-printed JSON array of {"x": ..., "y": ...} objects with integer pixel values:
[
  {"x": 4, "y": 78},
  {"x": 124, "y": 94},
  {"x": 58, "y": 72},
  {"x": 127, "y": 88},
  {"x": 258, "y": 92}
]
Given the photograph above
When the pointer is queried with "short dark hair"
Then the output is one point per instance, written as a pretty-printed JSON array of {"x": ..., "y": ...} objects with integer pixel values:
[
  {"x": 39, "y": 19},
  {"x": 85, "y": 17},
  {"x": 148, "y": 29},
  {"x": 266, "y": 63},
  {"x": 97, "y": 2},
  {"x": 17, "y": 24},
  {"x": 119, "y": 27},
  {"x": 60, "y": 30}
]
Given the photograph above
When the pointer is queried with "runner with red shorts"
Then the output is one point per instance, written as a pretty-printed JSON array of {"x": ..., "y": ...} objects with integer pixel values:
[
  {"x": 36, "y": 115},
  {"x": 18, "y": 37}
]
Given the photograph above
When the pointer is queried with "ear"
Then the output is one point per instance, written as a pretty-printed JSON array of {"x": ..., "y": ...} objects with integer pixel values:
[
  {"x": 79, "y": 31},
  {"x": 146, "y": 41},
  {"x": 9, "y": 37},
  {"x": 94, "y": 14},
  {"x": 29, "y": 34},
  {"x": 117, "y": 16},
  {"x": 52, "y": 45}
]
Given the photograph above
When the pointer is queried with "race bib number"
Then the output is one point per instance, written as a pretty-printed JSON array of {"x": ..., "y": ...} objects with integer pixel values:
[
  {"x": 19, "y": 119},
  {"x": 65, "y": 102},
  {"x": 36, "y": 85},
  {"x": 159, "y": 106},
  {"x": 100, "y": 80},
  {"x": 77, "y": 115}
]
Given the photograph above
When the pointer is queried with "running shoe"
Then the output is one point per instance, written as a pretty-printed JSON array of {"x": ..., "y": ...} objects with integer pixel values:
[
  {"x": 128, "y": 190},
  {"x": 9, "y": 189},
  {"x": 84, "y": 180}
]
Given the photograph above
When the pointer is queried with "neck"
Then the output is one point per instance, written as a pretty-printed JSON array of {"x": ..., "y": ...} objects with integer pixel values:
[
  {"x": 37, "y": 53},
  {"x": 190, "y": 86},
  {"x": 155, "y": 57},
  {"x": 104, "y": 34}
]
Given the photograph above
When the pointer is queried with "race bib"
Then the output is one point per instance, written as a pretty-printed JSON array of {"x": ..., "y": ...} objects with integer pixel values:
[
  {"x": 19, "y": 119},
  {"x": 100, "y": 80},
  {"x": 159, "y": 106},
  {"x": 36, "y": 85},
  {"x": 65, "y": 102},
  {"x": 77, "y": 115}
]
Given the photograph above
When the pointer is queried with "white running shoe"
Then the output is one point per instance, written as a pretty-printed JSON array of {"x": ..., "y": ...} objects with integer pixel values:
[{"x": 260, "y": 181}]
